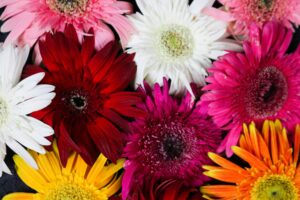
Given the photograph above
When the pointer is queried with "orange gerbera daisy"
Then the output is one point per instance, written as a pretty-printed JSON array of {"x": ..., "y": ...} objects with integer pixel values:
[{"x": 274, "y": 173}]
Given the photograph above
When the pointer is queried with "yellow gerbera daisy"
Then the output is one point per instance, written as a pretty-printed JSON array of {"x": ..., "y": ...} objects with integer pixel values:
[
  {"x": 273, "y": 174},
  {"x": 77, "y": 181}
]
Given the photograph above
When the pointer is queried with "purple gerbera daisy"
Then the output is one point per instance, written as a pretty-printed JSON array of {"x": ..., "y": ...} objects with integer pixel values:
[
  {"x": 262, "y": 83},
  {"x": 171, "y": 142}
]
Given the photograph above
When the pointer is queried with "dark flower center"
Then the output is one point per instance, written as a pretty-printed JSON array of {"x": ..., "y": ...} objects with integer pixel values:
[
  {"x": 172, "y": 147},
  {"x": 76, "y": 101},
  {"x": 79, "y": 102},
  {"x": 69, "y": 7},
  {"x": 266, "y": 93},
  {"x": 266, "y": 3}
]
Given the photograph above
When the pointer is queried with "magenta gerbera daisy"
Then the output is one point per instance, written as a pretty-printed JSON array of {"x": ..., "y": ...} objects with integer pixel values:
[
  {"x": 89, "y": 113},
  {"x": 262, "y": 83},
  {"x": 28, "y": 20},
  {"x": 171, "y": 142},
  {"x": 246, "y": 12}
]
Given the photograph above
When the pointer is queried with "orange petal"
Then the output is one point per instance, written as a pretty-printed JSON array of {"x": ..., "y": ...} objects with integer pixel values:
[
  {"x": 225, "y": 175},
  {"x": 297, "y": 144},
  {"x": 274, "y": 145},
  {"x": 224, "y": 162},
  {"x": 250, "y": 158},
  {"x": 221, "y": 191}
]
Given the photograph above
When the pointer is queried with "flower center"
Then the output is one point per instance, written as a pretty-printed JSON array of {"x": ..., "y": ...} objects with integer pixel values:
[
  {"x": 274, "y": 187},
  {"x": 69, "y": 192},
  {"x": 266, "y": 3},
  {"x": 172, "y": 147},
  {"x": 76, "y": 100},
  {"x": 69, "y": 7},
  {"x": 3, "y": 112},
  {"x": 79, "y": 102},
  {"x": 267, "y": 93},
  {"x": 175, "y": 42}
]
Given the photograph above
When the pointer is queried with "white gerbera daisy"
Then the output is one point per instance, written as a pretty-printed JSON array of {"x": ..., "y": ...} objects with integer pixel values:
[
  {"x": 176, "y": 40},
  {"x": 17, "y": 100}
]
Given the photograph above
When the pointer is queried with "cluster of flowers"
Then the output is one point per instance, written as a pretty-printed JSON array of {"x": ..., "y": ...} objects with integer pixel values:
[{"x": 142, "y": 113}]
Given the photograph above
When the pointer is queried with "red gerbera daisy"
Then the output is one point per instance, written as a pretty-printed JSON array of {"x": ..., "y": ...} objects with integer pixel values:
[{"x": 88, "y": 111}]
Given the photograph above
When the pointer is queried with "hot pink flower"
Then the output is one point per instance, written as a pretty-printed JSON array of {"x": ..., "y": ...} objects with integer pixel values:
[
  {"x": 171, "y": 142},
  {"x": 262, "y": 83},
  {"x": 246, "y": 12},
  {"x": 28, "y": 20}
]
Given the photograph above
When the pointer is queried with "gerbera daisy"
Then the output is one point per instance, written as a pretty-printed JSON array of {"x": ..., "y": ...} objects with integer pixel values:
[
  {"x": 28, "y": 20},
  {"x": 76, "y": 181},
  {"x": 171, "y": 142},
  {"x": 17, "y": 100},
  {"x": 273, "y": 171},
  {"x": 262, "y": 83},
  {"x": 166, "y": 190},
  {"x": 91, "y": 100},
  {"x": 176, "y": 40},
  {"x": 247, "y": 12}
]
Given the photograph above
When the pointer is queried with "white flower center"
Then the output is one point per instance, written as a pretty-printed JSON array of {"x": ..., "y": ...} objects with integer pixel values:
[
  {"x": 175, "y": 42},
  {"x": 3, "y": 111}
]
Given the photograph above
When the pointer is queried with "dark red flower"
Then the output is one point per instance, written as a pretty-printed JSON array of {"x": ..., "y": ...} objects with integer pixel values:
[
  {"x": 89, "y": 110},
  {"x": 164, "y": 190}
]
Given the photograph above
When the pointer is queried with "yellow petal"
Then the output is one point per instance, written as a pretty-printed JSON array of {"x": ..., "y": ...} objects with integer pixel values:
[
  {"x": 29, "y": 175},
  {"x": 19, "y": 196},
  {"x": 108, "y": 173},
  {"x": 70, "y": 163},
  {"x": 80, "y": 166},
  {"x": 114, "y": 186},
  {"x": 96, "y": 169}
]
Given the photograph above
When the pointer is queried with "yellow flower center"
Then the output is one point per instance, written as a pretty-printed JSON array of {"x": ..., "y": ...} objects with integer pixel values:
[
  {"x": 175, "y": 42},
  {"x": 70, "y": 191},
  {"x": 274, "y": 187},
  {"x": 68, "y": 7}
]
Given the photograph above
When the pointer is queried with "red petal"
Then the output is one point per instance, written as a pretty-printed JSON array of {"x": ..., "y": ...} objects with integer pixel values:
[
  {"x": 88, "y": 150},
  {"x": 121, "y": 74},
  {"x": 88, "y": 47},
  {"x": 65, "y": 143},
  {"x": 115, "y": 118},
  {"x": 102, "y": 61},
  {"x": 107, "y": 137}
]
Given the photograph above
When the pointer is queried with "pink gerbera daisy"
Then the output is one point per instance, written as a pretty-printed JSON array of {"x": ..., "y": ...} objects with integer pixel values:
[
  {"x": 171, "y": 142},
  {"x": 246, "y": 12},
  {"x": 262, "y": 83},
  {"x": 28, "y": 20}
]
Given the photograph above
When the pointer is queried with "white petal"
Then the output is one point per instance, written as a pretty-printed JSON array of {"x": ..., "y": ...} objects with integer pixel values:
[
  {"x": 23, "y": 95},
  {"x": 34, "y": 104},
  {"x": 39, "y": 127},
  {"x": 203, "y": 35},
  {"x": 19, "y": 131},
  {"x": 18, "y": 149},
  {"x": 197, "y": 5},
  {"x": 12, "y": 61},
  {"x": 27, "y": 84}
]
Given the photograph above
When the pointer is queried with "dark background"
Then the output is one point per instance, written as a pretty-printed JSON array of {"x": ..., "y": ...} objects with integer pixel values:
[{"x": 11, "y": 183}]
